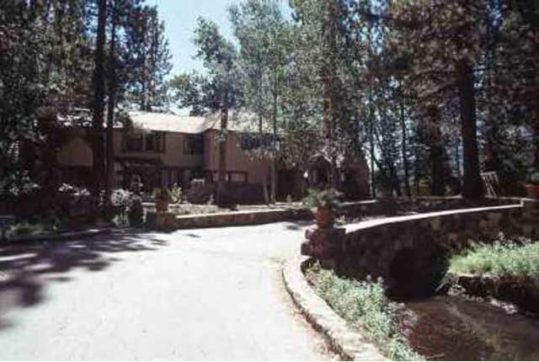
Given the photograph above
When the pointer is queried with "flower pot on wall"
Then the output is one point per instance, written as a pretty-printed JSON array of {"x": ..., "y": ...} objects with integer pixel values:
[
  {"x": 325, "y": 218},
  {"x": 532, "y": 191},
  {"x": 161, "y": 205}
]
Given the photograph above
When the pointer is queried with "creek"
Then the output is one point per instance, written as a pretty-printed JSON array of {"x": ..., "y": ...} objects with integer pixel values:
[{"x": 447, "y": 327}]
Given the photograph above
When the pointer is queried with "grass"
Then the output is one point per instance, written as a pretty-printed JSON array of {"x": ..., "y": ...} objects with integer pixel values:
[
  {"x": 31, "y": 229},
  {"x": 363, "y": 304},
  {"x": 508, "y": 260}
]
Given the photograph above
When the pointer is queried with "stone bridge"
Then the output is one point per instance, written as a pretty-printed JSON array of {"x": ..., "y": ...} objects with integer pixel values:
[{"x": 411, "y": 252}]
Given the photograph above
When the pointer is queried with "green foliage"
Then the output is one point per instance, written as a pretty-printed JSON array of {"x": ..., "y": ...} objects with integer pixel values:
[
  {"x": 324, "y": 199},
  {"x": 146, "y": 59},
  {"x": 135, "y": 212},
  {"x": 162, "y": 193},
  {"x": 26, "y": 228},
  {"x": 218, "y": 89},
  {"x": 175, "y": 193},
  {"x": 47, "y": 57},
  {"x": 172, "y": 194},
  {"x": 533, "y": 177},
  {"x": 364, "y": 304},
  {"x": 128, "y": 208},
  {"x": 502, "y": 259}
]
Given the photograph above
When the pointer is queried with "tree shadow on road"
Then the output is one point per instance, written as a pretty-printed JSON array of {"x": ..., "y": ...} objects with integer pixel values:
[{"x": 26, "y": 269}]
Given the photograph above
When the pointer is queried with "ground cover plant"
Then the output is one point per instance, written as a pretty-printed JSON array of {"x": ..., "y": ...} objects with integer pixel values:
[
  {"x": 504, "y": 260},
  {"x": 364, "y": 305}
]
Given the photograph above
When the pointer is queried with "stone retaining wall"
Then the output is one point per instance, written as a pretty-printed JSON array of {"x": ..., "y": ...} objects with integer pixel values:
[
  {"x": 411, "y": 251},
  {"x": 169, "y": 221},
  {"x": 350, "y": 209},
  {"x": 395, "y": 206},
  {"x": 247, "y": 217}
]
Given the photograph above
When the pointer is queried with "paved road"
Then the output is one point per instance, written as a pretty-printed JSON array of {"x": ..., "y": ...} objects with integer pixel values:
[{"x": 198, "y": 295}]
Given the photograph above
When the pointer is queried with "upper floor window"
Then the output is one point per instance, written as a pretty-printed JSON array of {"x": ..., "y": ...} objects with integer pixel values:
[
  {"x": 194, "y": 144},
  {"x": 144, "y": 142},
  {"x": 133, "y": 142},
  {"x": 155, "y": 142},
  {"x": 251, "y": 141}
]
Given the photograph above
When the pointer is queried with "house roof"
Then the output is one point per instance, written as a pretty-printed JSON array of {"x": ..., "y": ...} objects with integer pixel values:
[{"x": 167, "y": 122}]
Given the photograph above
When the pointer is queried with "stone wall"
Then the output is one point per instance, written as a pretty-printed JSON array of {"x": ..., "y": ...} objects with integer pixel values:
[
  {"x": 410, "y": 252},
  {"x": 395, "y": 206},
  {"x": 169, "y": 221},
  {"x": 352, "y": 209}
]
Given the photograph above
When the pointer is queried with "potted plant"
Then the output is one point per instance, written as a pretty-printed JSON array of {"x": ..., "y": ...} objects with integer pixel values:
[
  {"x": 532, "y": 187},
  {"x": 162, "y": 199},
  {"x": 324, "y": 205},
  {"x": 175, "y": 194}
]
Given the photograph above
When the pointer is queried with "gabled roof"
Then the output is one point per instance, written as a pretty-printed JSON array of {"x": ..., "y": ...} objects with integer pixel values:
[{"x": 168, "y": 122}]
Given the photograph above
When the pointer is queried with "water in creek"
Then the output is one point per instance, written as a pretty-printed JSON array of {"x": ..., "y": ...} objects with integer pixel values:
[{"x": 455, "y": 328}]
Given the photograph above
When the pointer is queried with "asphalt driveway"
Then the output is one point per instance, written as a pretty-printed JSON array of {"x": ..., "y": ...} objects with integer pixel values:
[{"x": 197, "y": 294}]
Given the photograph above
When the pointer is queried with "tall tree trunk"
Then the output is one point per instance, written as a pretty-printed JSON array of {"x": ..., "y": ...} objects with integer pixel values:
[
  {"x": 98, "y": 104},
  {"x": 535, "y": 126},
  {"x": 221, "y": 179},
  {"x": 395, "y": 181},
  {"x": 264, "y": 179},
  {"x": 274, "y": 142},
  {"x": 111, "y": 104},
  {"x": 436, "y": 152},
  {"x": 260, "y": 109},
  {"x": 371, "y": 143},
  {"x": 457, "y": 159},
  {"x": 472, "y": 184},
  {"x": 536, "y": 143},
  {"x": 329, "y": 75},
  {"x": 404, "y": 150}
]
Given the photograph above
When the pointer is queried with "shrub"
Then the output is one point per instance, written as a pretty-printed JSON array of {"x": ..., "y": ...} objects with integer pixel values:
[
  {"x": 533, "y": 177},
  {"x": 76, "y": 201},
  {"x": 175, "y": 194},
  {"x": 502, "y": 259},
  {"x": 128, "y": 208},
  {"x": 136, "y": 212},
  {"x": 325, "y": 199},
  {"x": 364, "y": 304}
]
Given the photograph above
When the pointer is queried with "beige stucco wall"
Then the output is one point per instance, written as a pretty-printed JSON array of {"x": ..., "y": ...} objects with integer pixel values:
[
  {"x": 173, "y": 156},
  {"x": 237, "y": 159},
  {"x": 76, "y": 152}
]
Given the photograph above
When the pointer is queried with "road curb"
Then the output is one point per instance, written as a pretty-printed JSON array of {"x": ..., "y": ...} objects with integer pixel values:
[{"x": 350, "y": 345}]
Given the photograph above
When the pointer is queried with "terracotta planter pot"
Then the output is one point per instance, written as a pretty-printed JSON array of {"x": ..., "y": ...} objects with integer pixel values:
[
  {"x": 161, "y": 205},
  {"x": 532, "y": 191},
  {"x": 325, "y": 218}
]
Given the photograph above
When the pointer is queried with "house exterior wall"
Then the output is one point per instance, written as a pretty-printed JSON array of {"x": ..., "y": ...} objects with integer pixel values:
[
  {"x": 173, "y": 156},
  {"x": 75, "y": 153},
  {"x": 237, "y": 160},
  {"x": 78, "y": 153},
  {"x": 174, "y": 165}
]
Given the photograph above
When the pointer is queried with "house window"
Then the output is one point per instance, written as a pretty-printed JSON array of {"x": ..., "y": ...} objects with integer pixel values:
[
  {"x": 250, "y": 141},
  {"x": 194, "y": 145},
  {"x": 133, "y": 142},
  {"x": 155, "y": 142},
  {"x": 144, "y": 142},
  {"x": 150, "y": 142}
]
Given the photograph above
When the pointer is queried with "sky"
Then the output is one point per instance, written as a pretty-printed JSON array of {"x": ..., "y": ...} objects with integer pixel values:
[{"x": 180, "y": 18}]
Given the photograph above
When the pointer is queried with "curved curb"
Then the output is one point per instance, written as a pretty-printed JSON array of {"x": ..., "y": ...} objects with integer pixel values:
[{"x": 349, "y": 344}]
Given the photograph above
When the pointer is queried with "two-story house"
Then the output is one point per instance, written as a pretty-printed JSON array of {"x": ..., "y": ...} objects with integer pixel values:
[{"x": 166, "y": 149}]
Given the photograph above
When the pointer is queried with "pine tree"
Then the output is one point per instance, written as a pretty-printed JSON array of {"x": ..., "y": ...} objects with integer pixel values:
[{"x": 149, "y": 60}]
